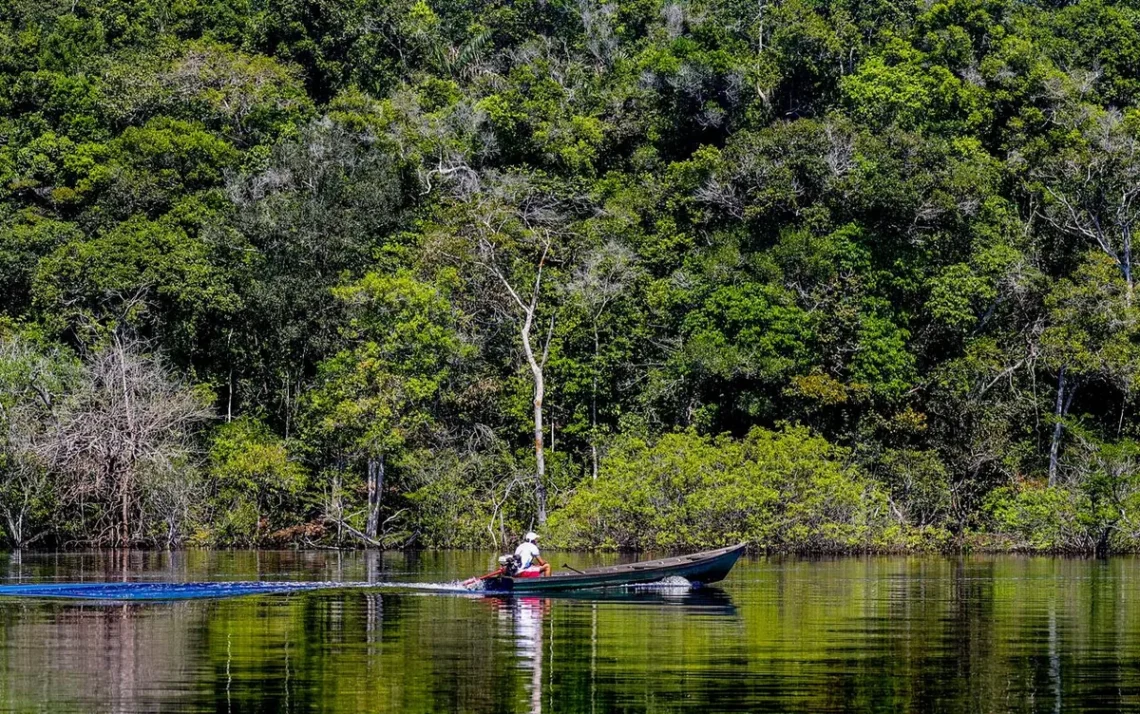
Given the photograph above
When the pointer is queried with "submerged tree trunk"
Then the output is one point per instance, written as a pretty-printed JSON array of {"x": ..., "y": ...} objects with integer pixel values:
[
  {"x": 1101, "y": 548},
  {"x": 375, "y": 490}
]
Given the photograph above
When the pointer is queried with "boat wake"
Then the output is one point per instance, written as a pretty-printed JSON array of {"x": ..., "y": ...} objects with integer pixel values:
[
  {"x": 671, "y": 583},
  {"x": 157, "y": 591},
  {"x": 137, "y": 591}
]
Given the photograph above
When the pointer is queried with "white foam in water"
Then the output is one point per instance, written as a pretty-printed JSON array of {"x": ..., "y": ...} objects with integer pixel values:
[{"x": 673, "y": 582}]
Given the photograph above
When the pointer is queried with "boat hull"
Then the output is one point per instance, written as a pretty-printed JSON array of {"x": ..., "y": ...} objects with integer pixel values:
[{"x": 703, "y": 568}]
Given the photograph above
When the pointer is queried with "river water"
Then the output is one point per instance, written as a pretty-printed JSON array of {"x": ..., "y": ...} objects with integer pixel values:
[{"x": 959, "y": 634}]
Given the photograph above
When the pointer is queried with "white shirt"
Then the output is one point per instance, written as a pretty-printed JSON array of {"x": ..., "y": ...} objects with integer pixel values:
[{"x": 526, "y": 552}]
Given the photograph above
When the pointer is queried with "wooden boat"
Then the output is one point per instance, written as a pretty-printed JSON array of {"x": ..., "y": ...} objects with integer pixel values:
[{"x": 703, "y": 568}]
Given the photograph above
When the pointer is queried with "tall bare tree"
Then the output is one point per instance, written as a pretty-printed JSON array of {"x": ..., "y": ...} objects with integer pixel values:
[
  {"x": 514, "y": 232},
  {"x": 526, "y": 299}
]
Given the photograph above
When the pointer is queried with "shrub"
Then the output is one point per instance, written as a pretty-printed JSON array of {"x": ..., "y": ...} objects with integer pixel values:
[
  {"x": 784, "y": 490},
  {"x": 1038, "y": 517},
  {"x": 255, "y": 482}
]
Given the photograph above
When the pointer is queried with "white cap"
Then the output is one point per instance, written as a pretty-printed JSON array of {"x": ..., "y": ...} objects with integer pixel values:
[{"x": 531, "y": 537}]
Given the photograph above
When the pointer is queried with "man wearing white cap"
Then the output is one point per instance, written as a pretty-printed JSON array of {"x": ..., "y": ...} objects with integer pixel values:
[{"x": 531, "y": 563}]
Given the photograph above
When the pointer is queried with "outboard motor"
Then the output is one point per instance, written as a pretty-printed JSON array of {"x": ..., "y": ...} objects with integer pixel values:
[{"x": 511, "y": 564}]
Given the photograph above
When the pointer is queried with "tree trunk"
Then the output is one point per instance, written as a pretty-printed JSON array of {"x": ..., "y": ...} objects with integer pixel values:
[
  {"x": 125, "y": 503},
  {"x": 15, "y": 530},
  {"x": 594, "y": 408},
  {"x": 528, "y": 311},
  {"x": 288, "y": 413},
  {"x": 1101, "y": 548},
  {"x": 375, "y": 489},
  {"x": 1064, "y": 399},
  {"x": 539, "y": 456},
  {"x": 539, "y": 393},
  {"x": 230, "y": 387},
  {"x": 126, "y": 478},
  {"x": 1126, "y": 260}
]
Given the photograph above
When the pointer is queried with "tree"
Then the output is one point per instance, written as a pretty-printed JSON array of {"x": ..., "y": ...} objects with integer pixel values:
[
  {"x": 1092, "y": 188},
  {"x": 254, "y": 480},
  {"x": 149, "y": 275},
  {"x": 320, "y": 213},
  {"x": 379, "y": 394},
  {"x": 33, "y": 380},
  {"x": 512, "y": 231},
  {"x": 786, "y": 489},
  {"x": 1107, "y": 473},
  {"x": 124, "y": 430},
  {"x": 1091, "y": 336},
  {"x": 599, "y": 280}
]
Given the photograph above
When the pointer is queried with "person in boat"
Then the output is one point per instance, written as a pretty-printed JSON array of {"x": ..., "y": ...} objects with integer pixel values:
[{"x": 531, "y": 564}]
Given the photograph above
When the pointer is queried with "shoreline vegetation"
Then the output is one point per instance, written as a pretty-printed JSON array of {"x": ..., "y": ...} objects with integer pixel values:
[{"x": 823, "y": 276}]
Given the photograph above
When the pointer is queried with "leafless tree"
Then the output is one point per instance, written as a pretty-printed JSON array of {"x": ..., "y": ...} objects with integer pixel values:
[
  {"x": 526, "y": 299},
  {"x": 598, "y": 23},
  {"x": 122, "y": 441}
]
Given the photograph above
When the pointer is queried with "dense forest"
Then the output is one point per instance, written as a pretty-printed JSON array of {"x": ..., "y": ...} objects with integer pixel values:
[{"x": 824, "y": 275}]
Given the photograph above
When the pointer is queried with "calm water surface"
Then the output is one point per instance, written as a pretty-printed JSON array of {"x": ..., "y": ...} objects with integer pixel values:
[{"x": 974, "y": 634}]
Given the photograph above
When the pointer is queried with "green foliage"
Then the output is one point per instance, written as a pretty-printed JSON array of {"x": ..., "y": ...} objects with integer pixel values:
[
  {"x": 1041, "y": 518},
  {"x": 27, "y": 238},
  {"x": 919, "y": 486},
  {"x": 452, "y": 497},
  {"x": 1093, "y": 323},
  {"x": 1096, "y": 507},
  {"x": 142, "y": 272},
  {"x": 906, "y": 228},
  {"x": 255, "y": 483},
  {"x": 376, "y": 396},
  {"x": 902, "y": 88},
  {"x": 382, "y": 394},
  {"x": 787, "y": 490}
]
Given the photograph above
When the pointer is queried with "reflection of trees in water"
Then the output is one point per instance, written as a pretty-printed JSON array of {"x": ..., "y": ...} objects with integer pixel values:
[
  {"x": 124, "y": 657},
  {"x": 873, "y": 634}
]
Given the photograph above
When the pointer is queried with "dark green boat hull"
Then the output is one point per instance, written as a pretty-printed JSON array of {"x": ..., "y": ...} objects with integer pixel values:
[{"x": 701, "y": 568}]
